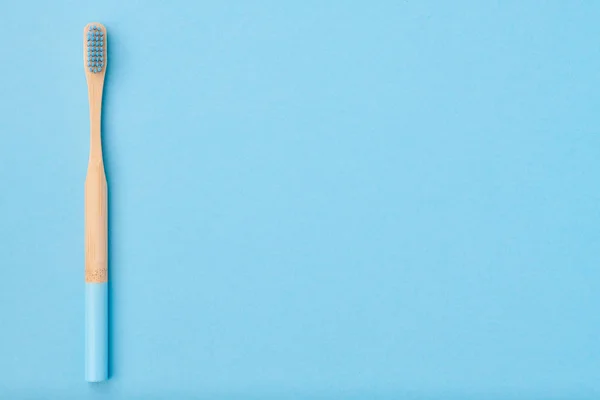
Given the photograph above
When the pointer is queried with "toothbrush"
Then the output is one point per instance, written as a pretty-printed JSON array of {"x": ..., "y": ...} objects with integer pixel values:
[{"x": 96, "y": 235}]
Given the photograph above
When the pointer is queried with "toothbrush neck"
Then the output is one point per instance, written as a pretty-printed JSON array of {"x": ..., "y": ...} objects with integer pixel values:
[
  {"x": 95, "y": 97},
  {"x": 95, "y": 140}
]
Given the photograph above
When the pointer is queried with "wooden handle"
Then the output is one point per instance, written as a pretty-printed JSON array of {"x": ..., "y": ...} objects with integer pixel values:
[
  {"x": 96, "y": 209},
  {"x": 96, "y": 224}
]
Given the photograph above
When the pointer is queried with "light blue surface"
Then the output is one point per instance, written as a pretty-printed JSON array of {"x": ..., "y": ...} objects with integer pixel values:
[
  {"x": 96, "y": 332},
  {"x": 392, "y": 199}
]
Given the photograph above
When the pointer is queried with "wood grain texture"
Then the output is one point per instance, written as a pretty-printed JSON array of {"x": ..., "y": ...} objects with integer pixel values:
[{"x": 96, "y": 195}]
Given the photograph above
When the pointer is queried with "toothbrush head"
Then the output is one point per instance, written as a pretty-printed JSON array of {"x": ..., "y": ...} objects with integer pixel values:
[{"x": 94, "y": 48}]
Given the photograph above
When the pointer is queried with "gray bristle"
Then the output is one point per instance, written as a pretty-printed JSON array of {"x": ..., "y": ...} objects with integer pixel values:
[{"x": 95, "y": 49}]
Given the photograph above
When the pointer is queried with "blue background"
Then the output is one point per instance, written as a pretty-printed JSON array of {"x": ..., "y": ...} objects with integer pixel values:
[{"x": 390, "y": 199}]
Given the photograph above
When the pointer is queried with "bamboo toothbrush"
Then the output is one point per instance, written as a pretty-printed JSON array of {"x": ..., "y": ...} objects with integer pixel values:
[{"x": 96, "y": 236}]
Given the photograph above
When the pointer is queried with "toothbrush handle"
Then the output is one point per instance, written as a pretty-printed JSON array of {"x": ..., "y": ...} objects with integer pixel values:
[
  {"x": 96, "y": 273},
  {"x": 96, "y": 221}
]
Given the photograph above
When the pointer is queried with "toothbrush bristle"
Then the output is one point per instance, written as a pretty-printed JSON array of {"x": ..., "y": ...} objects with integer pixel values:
[{"x": 95, "y": 49}]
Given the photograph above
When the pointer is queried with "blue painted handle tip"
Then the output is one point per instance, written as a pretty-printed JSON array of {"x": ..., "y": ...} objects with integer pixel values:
[{"x": 96, "y": 332}]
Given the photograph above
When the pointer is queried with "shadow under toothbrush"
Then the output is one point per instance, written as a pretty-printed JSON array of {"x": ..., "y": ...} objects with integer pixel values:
[{"x": 113, "y": 272}]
